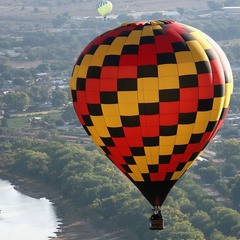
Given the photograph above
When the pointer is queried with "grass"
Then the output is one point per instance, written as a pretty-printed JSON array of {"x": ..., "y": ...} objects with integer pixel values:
[
  {"x": 23, "y": 121},
  {"x": 17, "y": 122}
]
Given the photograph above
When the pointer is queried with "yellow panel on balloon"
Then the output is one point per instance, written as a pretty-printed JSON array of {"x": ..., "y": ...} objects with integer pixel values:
[
  {"x": 147, "y": 31},
  {"x": 185, "y": 129},
  {"x": 134, "y": 38},
  {"x": 155, "y": 159},
  {"x": 73, "y": 84},
  {"x": 199, "y": 128},
  {"x": 151, "y": 155},
  {"x": 86, "y": 60},
  {"x": 202, "y": 40},
  {"x": 128, "y": 109},
  {"x": 95, "y": 137},
  {"x": 202, "y": 116},
  {"x": 182, "y": 139},
  {"x": 113, "y": 121},
  {"x": 148, "y": 96},
  {"x": 216, "y": 113},
  {"x": 166, "y": 150},
  {"x": 151, "y": 151},
  {"x": 229, "y": 86},
  {"x": 82, "y": 71},
  {"x": 140, "y": 160},
  {"x": 98, "y": 121},
  {"x": 169, "y": 82},
  {"x": 127, "y": 97},
  {"x": 100, "y": 125},
  {"x": 143, "y": 168},
  {"x": 187, "y": 68},
  {"x": 116, "y": 46},
  {"x": 135, "y": 175},
  {"x": 137, "y": 178},
  {"x": 110, "y": 109},
  {"x": 184, "y": 57},
  {"x": 167, "y": 70},
  {"x": 99, "y": 55},
  {"x": 177, "y": 175},
  {"x": 167, "y": 140},
  {"x": 197, "y": 51},
  {"x": 218, "y": 103},
  {"x": 155, "y": 25},
  {"x": 228, "y": 92},
  {"x": 103, "y": 132},
  {"x": 147, "y": 84},
  {"x": 187, "y": 166}
]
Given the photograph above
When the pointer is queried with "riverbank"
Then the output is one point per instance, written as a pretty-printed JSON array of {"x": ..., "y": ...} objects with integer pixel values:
[{"x": 74, "y": 225}]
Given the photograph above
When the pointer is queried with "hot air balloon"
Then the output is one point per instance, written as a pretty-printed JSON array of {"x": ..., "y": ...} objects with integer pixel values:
[
  {"x": 152, "y": 95},
  {"x": 104, "y": 8}
]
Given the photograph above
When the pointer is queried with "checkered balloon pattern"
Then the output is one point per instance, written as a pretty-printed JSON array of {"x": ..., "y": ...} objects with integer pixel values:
[{"x": 152, "y": 95}]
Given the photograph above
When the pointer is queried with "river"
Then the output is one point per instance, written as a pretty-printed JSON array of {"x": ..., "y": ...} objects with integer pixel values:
[{"x": 25, "y": 218}]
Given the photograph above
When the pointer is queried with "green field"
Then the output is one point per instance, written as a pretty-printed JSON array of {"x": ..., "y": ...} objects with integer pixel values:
[{"x": 23, "y": 121}]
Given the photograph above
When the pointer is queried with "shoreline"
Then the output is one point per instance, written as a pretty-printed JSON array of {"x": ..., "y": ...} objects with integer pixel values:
[{"x": 73, "y": 223}]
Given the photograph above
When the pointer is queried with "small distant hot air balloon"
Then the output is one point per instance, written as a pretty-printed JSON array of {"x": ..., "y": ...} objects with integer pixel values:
[
  {"x": 152, "y": 95},
  {"x": 104, "y": 8}
]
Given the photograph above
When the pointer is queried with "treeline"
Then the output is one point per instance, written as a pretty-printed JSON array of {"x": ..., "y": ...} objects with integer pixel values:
[
  {"x": 88, "y": 179},
  {"x": 224, "y": 175}
]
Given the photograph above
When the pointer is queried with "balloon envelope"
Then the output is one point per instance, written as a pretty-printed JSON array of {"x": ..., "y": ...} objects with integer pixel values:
[
  {"x": 104, "y": 8},
  {"x": 151, "y": 95}
]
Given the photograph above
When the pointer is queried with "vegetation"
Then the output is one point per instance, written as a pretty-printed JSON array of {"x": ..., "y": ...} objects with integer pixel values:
[{"x": 85, "y": 177}]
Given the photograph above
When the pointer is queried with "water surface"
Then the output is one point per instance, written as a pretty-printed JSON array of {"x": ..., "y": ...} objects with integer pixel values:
[{"x": 25, "y": 218}]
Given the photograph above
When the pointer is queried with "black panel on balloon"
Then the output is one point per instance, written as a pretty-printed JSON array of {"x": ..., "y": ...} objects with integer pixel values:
[{"x": 155, "y": 192}]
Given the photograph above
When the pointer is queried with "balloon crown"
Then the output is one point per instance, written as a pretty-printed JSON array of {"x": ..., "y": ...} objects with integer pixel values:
[{"x": 150, "y": 22}]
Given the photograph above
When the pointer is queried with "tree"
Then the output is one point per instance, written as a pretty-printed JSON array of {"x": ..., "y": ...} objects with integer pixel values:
[
  {"x": 221, "y": 186},
  {"x": 229, "y": 131},
  {"x": 4, "y": 122},
  {"x": 214, "y": 5},
  {"x": 43, "y": 67},
  {"x": 19, "y": 81},
  {"x": 225, "y": 219},
  {"x": 202, "y": 220},
  {"x": 217, "y": 235},
  {"x": 181, "y": 230},
  {"x": 31, "y": 163},
  {"x": 228, "y": 148},
  {"x": 23, "y": 143},
  {"x": 235, "y": 159},
  {"x": 228, "y": 221},
  {"x": 59, "y": 97},
  {"x": 69, "y": 114},
  {"x": 207, "y": 204},
  {"x": 229, "y": 170},
  {"x": 16, "y": 100},
  {"x": 236, "y": 231},
  {"x": 59, "y": 122},
  {"x": 39, "y": 94},
  {"x": 187, "y": 206},
  {"x": 59, "y": 21},
  {"x": 210, "y": 174},
  {"x": 235, "y": 191}
]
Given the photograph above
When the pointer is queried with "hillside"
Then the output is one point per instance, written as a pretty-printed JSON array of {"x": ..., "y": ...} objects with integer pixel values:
[{"x": 40, "y": 9}]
